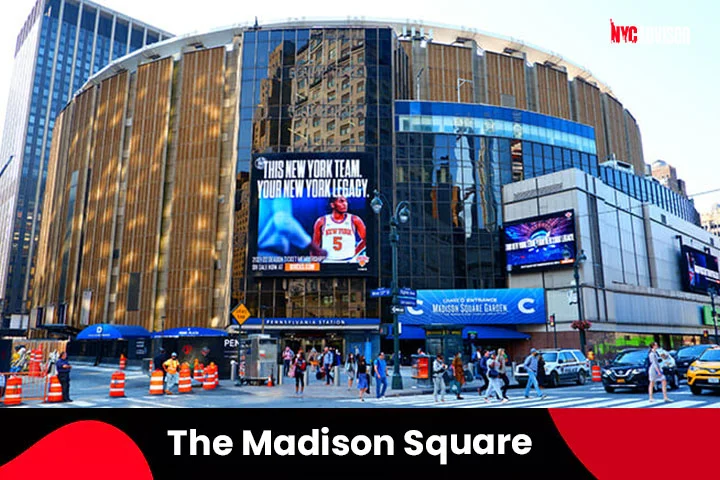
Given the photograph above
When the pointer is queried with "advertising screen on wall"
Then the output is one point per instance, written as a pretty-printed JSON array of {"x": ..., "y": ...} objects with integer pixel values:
[
  {"x": 540, "y": 242},
  {"x": 310, "y": 214},
  {"x": 700, "y": 270}
]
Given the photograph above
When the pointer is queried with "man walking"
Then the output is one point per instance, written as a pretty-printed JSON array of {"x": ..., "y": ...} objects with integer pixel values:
[
  {"x": 482, "y": 371},
  {"x": 171, "y": 367},
  {"x": 438, "y": 372},
  {"x": 328, "y": 360},
  {"x": 380, "y": 369},
  {"x": 531, "y": 366},
  {"x": 63, "y": 370}
]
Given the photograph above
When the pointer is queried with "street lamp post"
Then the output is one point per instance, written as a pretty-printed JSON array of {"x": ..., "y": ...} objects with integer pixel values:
[
  {"x": 576, "y": 273},
  {"x": 401, "y": 215},
  {"x": 712, "y": 293}
]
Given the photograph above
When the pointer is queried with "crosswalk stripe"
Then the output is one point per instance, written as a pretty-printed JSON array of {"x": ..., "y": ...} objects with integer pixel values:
[
  {"x": 565, "y": 404},
  {"x": 153, "y": 404},
  {"x": 606, "y": 404},
  {"x": 711, "y": 405},
  {"x": 681, "y": 404},
  {"x": 546, "y": 403},
  {"x": 496, "y": 403}
]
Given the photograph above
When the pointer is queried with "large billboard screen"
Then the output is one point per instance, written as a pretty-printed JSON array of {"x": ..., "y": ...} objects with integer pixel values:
[
  {"x": 310, "y": 214},
  {"x": 508, "y": 306},
  {"x": 540, "y": 242},
  {"x": 700, "y": 270}
]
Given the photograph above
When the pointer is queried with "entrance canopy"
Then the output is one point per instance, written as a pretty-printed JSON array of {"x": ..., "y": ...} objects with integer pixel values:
[
  {"x": 106, "y": 331},
  {"x": 311, "y": 323},
  {"x": 415, "y": 332},
  {"x": 185, "y": 332}
]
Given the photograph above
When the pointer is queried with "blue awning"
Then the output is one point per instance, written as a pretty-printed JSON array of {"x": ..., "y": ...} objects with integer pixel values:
[
  {"x": 106, "y": 331},
  {"x": 415, "y": 332},
  {"x": 190, "y": 332}
]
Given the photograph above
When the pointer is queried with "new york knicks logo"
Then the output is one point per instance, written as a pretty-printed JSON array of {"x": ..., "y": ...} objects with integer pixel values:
[{"x": 363, "y": 260}]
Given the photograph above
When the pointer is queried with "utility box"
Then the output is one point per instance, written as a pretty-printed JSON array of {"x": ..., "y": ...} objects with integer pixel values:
[
  {"x": 261, "y": 358},
  {"x": 422, "y": 370}
]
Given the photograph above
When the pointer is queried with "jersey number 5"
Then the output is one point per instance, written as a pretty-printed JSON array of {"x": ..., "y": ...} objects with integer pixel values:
[{"x": 337, "y": 243}]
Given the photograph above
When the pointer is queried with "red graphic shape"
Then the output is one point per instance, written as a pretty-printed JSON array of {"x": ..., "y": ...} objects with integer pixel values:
[
  {"x": 187, "y": 349},
  {"x": 631, "y": 443},
  {"x": 86, "y": 450}
]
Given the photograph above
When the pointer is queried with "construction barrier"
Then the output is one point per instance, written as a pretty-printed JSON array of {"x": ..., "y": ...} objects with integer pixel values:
[
  {"x": 209, "y": 379},
  {"x": 13, "y": 391},
  {"x": 55, "y": 392},
  {"x": 185, "y": 383},
  {"x": 157, "y": 386},
  {"x": 123, "y": 362},
  {"x": 33, "y": 388},
  {"x": 117, "y": 384},
  {"x": 216, "y": 375},
  {"x": 34, "y": 367},
  {"x": 596, "y": 377},
  {"x": 199, "y": 374}
]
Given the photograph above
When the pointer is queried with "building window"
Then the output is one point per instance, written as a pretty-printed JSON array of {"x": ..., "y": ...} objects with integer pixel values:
[
  {"x": 331, "y": 97},
  {"x": 344, "y": 129},
  {"x": 346, "y": 98},
  {"x": 331, "y": 125},
  {"x": 316, "y": 122}
]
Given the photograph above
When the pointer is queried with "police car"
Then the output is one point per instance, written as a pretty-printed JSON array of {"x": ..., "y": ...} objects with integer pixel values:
[{"x": 561, "y": 366}]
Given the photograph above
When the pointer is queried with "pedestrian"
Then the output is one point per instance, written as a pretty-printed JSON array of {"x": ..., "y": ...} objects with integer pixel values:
[
  {"x": 541, "y": 375},
  {"x": 171, "y": 367},
  {"x": 494, "y": 377},
  {"x": 477, "y": 357},
  {"x": 207, "y": 358},
  {"x": 287, "y": 357},
  {"x": 420, "y": 351},
  {"x": 482, "y": 370},
  {"x": 350, "y": 369},
  {"x": 299, "y": 366},
  {"x": 459, "y": 373},
  {"x": 362, "y": 383},
  {"x": 328, "y": 361},
  {"x": 502, "y": 368},
  {"x": 63, "y": 369},
  {"x": 531, "y": 366},
  {"x": 655, "y": 374},
  {"x": 380, "y": 370},
  {"x": 159, "y": 361},
  {"x": 439, "y": 369}
]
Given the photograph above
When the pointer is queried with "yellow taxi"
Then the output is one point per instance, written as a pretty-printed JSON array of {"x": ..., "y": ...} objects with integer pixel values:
[{"x": 704, "y": 373}]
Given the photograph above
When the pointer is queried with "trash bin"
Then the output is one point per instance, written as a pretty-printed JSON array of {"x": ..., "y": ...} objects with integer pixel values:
[{"x": 421, "y": 366}]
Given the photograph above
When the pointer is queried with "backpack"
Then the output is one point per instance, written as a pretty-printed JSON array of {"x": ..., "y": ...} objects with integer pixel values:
[
  {"x": 336, "y": 359},
  {"x": 301, "y": 365},
  {"x": 483, "y": 364}
]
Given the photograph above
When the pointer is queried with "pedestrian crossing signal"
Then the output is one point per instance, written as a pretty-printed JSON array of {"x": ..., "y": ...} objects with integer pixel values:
[
  {"x": 705, "y": 334},
  {"x": 552, "y": 321}
]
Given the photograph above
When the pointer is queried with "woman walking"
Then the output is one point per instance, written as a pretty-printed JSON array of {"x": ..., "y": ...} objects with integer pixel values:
[
  {"x": 350, "y": 369},
  {"x": 502, "y": 370},
  {"x": 459, "y": 373},
  {"x": 655, "y": 374},
  {"x": 298, "y": 367},
  {"x": 438, "y": 372},
  {"x": 494, "y": 377},
  {"x": 362, "y": 376},
  {"x": 541, "y": 376}
]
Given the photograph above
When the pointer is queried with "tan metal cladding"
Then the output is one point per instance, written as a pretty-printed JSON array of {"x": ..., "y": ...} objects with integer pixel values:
[
  {"x": 553, "y": 96},
  {"x": 588, "y": 110},
  {"x": 506, "y": 76}
]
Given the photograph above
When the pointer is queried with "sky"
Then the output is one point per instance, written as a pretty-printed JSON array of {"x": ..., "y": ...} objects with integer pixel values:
[{"x": 669, "y": 89}]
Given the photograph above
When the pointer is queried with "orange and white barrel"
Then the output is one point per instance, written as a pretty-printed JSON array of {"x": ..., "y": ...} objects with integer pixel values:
[{"x": 117, "y": 384}]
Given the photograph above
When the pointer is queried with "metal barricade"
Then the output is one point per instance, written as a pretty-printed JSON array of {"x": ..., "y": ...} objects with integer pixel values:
[{"x": 34, "y": 388}]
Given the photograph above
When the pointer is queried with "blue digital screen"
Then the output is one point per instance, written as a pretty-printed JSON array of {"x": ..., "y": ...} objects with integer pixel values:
[
  {"x": 540, "y": 242},
  {"x": 700, "y": 270}
]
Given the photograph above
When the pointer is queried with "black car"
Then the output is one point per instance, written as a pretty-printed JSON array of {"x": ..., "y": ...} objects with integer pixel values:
[
  {"x": 687, "y": 355},
  {"x": 629, "y": 369}
]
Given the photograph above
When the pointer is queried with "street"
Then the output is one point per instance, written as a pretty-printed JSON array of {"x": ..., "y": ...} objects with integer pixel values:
[{"x": 90, "y": 387}]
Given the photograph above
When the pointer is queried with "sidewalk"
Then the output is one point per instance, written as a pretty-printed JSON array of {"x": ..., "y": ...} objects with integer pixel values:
[{"x": 318, "y": 389}]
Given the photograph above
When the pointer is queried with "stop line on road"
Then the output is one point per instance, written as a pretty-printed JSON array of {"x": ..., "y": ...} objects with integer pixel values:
[{"x": 548, "y": 402}]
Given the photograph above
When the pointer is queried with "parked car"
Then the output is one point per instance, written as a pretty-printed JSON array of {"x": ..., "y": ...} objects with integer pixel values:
[
  {"x": 561, "y": 366},
  {"x": 629, "y": 369},
  {"x": 705, "y": 371},
  {"x": 687, "y": 355}
]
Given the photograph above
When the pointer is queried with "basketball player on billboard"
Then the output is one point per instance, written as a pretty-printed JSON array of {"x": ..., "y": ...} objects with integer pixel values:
[{"x": 340, "y": 235}]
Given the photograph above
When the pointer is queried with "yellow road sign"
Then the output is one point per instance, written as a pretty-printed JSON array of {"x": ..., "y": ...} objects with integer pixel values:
[{"x": 241, "y": 313}]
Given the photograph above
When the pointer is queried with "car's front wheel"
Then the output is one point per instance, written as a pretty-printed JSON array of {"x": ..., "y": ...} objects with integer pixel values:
[
  {"x": 582, "y": 378},
  {"x": 695, "y": 390},
  {"x": 554, "y": 380}
]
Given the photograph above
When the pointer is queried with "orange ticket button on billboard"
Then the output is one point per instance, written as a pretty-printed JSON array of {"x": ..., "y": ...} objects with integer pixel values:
[{"x": 302, "y": 267}]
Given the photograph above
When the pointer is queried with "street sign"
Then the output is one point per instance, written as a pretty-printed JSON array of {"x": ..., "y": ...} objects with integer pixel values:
[
  {"x": 240, "y": 314},
  {"x": 408, "y": 292},
  {"x": 397, "y": 309},
  {"x": 380, "y": 292},
  {"x": 408, "y": 302}
]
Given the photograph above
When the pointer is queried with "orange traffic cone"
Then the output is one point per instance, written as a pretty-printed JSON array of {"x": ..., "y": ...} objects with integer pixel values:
[
  {"x": 198, "y": 373},
  {"x": 13, "y": 391},
  {"x": 123, "y": 362},
  {"x": 55, "y": 393},
  {"x": 185, "y": 383},
  {"x": 117, "y": 384},
  {"x": 270, "y": 382},
  {"x": 156, "y": 383}
]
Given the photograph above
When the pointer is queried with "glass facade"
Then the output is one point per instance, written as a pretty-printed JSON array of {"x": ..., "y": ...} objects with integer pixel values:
[
  {"x": 63, "y": 63},
  {"x": 313, "y": 90}
]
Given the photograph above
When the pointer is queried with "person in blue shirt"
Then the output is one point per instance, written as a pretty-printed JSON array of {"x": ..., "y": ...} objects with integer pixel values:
[
  {"x": 328, "y": 361},
  {"x": 531, "y": 366},
  {"x": 380, "y": 370},
  {"x": 63, "y": 373}
]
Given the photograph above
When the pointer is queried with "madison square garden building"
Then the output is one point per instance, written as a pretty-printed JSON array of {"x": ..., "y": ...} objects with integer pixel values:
[{"x": 238, "y": 166}]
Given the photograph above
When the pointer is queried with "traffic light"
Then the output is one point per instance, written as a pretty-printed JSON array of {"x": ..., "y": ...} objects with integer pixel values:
[
  {"x": 552, "y": 321},
  {"x": 705, "y": 334}
]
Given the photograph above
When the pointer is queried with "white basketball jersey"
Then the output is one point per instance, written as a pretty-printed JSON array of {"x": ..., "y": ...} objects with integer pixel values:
[{"x": 338, "y": 239}]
